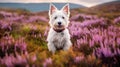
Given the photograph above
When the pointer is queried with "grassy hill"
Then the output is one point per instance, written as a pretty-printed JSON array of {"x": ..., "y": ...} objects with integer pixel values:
[
  {"x": 36, "y": 7},
  {"x": 110, "y": 9}
]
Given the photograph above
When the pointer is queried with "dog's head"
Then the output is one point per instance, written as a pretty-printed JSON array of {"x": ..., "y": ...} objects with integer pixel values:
[{"x": 59, "y": 19}]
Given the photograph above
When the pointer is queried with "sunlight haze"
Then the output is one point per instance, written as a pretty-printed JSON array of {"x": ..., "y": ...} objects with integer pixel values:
[{"x": 87, "y": 3}]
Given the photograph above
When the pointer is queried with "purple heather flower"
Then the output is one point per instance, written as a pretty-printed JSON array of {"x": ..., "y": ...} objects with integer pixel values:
[
  {"x": 33, "y": 58},
  {"x": 47, "y": 61},
  {"x": 118, "y": 41},
  {"x": 78, "y": 59},
  {"x": 117, "y": 20}
]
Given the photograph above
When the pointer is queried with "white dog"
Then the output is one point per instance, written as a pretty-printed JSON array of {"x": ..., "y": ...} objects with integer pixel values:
[{"x": 58, "y": 36}]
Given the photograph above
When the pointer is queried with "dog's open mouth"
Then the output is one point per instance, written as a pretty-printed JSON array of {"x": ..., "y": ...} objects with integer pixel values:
[{"x": 59, "y": 28}]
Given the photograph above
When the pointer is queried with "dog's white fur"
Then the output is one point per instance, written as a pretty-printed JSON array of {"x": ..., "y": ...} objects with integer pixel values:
[{"x": 61, "y": 39}]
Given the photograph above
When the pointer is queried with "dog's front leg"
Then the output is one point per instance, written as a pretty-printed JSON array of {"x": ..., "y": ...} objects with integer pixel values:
[
  {"x": 67, "y": 45},
  {"x": 51, "y": 47}
]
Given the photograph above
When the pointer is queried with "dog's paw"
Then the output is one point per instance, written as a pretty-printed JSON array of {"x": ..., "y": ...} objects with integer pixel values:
[
  {"x": 51, "y": 48},
  {"x": 67, "y": 46}
]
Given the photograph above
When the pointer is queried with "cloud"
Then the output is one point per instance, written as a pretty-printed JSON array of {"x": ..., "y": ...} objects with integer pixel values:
[
  {"x": 82, "y": 2},
  {"x": 91, "y": 2}
]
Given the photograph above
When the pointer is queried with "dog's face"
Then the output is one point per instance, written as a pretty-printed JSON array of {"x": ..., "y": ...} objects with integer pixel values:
[{"x": 59, "y": 19}]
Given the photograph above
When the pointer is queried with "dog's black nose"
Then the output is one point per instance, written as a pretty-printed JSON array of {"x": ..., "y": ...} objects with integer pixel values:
[{"x": 59, "y": 23}]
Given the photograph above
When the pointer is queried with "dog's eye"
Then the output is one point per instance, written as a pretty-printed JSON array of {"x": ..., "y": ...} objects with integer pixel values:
[
  {"x": 63, "y": 17},
  {"x": 55, "y": 18}
]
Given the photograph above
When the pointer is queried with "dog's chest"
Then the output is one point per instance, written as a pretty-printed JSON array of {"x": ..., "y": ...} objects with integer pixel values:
[{"x": 59, "y": 39}]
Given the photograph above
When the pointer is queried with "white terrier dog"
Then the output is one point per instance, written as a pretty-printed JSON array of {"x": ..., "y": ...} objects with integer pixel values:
[{"x": 58, "y": 36}]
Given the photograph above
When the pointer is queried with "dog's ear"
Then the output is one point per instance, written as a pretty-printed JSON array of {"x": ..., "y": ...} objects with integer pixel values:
[
  {"x": 66, "y": 9},
  {"x": 52, "y": 9}
]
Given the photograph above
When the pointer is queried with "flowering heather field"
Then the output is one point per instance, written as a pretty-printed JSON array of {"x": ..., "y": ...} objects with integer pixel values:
[{"x": 96, "y": 41}]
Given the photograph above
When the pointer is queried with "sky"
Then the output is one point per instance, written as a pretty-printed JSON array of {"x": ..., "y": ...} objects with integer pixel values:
[{"x": 87, "y": 3}]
